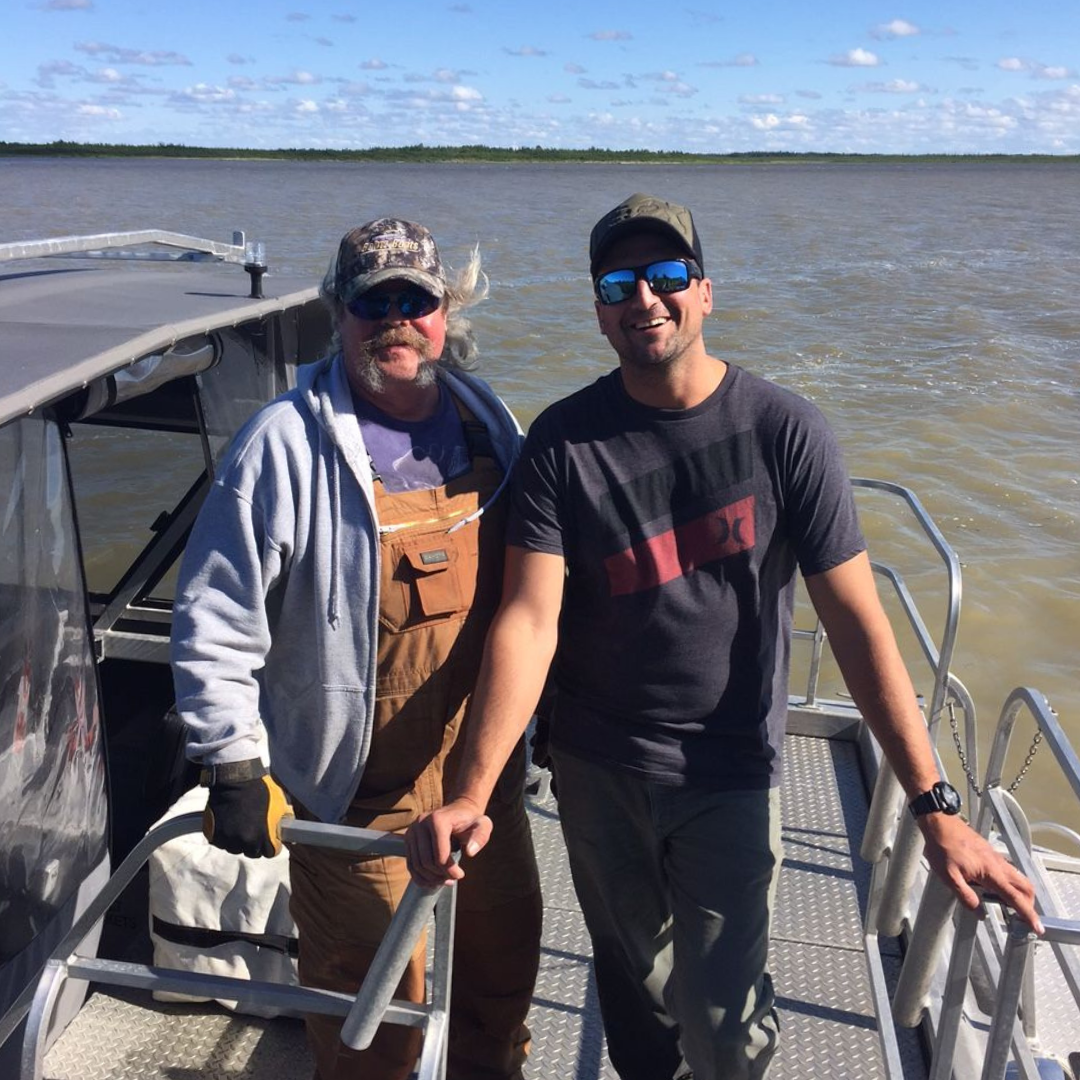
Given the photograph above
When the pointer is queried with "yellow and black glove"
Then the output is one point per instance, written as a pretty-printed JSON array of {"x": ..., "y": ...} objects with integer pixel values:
[{"x": 244, "y": 811}]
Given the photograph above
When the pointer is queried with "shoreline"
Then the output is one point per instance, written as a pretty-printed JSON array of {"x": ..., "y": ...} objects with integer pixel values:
[{"x": 464, "y": 155}]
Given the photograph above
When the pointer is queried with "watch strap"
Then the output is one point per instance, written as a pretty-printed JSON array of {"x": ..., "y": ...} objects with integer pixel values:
[{"x": 232, "y": 772}]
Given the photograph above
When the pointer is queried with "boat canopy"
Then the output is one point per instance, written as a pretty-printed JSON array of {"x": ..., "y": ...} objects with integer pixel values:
[{"x": 67, "y": 321}]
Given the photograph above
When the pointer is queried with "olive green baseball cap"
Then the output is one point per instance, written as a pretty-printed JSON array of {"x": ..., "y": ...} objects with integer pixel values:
[{"x": 642, "y": 213}]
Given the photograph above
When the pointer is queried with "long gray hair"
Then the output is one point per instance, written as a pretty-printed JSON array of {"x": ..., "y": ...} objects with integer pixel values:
[{"x": 464, "y": 288}]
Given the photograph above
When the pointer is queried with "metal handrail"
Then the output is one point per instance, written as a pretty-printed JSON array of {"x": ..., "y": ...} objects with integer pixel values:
[
  {"x": 887, "y": 792},
  {"x": 997, "y": 813},
  {"x": 895, "y": 851},
  {"x": 362, "y": 1013},
  {"x": 102, "y": 242}
]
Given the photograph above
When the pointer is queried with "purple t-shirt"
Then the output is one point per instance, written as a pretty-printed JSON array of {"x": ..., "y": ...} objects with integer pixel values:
[
  {"x": 682, "y": 531},
  {"x": 414, "y": 455}
]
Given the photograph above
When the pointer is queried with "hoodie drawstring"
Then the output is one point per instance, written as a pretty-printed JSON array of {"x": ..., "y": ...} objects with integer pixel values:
[{"x": 335, "y": 541}]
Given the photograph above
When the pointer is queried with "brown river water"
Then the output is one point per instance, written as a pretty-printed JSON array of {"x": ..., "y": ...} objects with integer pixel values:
[{"x": 931, "y": 310}]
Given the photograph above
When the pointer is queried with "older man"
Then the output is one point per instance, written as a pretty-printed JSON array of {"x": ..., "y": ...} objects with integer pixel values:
[
  {"x": 660, "y": 516},
  {"x": 334, "y": 599}
]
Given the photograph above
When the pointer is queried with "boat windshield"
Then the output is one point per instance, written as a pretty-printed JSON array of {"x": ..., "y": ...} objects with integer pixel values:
[{"x": 53, "y": 820}]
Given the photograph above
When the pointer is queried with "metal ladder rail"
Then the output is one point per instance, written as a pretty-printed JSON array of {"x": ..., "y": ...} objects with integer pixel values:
[
  {"x": 894, "y": 852},
  {"x": 1006, "y": 1032},
  {"x": 362, "y": 1013}
]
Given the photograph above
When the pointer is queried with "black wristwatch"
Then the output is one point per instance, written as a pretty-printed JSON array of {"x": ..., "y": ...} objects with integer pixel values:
[{"x": 942, "y": 798}]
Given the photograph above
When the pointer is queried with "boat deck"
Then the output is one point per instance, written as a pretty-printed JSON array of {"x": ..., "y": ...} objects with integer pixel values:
[{"x": 827, "y": 1021}]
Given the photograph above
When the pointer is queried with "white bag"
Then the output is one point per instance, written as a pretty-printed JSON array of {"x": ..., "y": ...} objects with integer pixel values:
[{"x": 217, "y": 913}]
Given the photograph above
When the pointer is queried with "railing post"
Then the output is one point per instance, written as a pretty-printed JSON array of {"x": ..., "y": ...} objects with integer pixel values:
[
  {"x": 923, "y": 954},
  {"x": 1014, "y": 963},
  {"x": 389, "y": 963}
]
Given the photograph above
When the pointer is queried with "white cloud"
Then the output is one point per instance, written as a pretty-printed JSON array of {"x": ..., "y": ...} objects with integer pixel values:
[
  {"x": 68, "y": 5},
  {"x": 761, "y": 99},
  {"x": 558, "y": 99},
  {"x": 46, "y": 73},
  {"x": 374, "y": 64},
  {"x": 307, "y": 106},
  {"x": 573, "y": 69},
  {"x": 99, "y": 110},
  {"x": 204, "y": 94},
  {"x": 1042, "y": 72},
  {"x": 118, "y": 55},
  {"x": 856, "y": 58},
  {"x": 894, "y": 86},
  {"x": 466, "y": 93},
  {"x": 1034, "y": 68},
  {"x": 611, "y": 35},
  {"x": 898, "y": 28},
  {"x": 525, "y": 50},
  {"x": 295, "y": 78}
]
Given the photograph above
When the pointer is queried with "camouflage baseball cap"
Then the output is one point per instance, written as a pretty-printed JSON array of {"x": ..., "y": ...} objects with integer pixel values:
[
  {"x": 639, "y": 213},
  {"x": 385, "y": 250}
]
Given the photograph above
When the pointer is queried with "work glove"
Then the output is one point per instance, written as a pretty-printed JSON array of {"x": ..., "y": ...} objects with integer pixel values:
[{"x": 244, "y": 811}]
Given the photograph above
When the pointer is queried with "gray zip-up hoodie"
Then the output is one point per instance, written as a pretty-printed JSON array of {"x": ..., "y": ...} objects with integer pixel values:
[{"x": 276, "y": 614}]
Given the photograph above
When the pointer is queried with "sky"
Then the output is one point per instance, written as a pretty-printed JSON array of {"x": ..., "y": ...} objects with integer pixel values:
[{"x": 846, "y": 76}]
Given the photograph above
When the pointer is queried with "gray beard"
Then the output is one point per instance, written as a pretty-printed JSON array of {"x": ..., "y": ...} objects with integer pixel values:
[{"x": 371, "y": 377}]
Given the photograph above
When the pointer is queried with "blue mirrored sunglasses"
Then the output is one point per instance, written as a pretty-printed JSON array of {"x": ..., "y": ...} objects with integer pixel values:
[
  {"x": 411, "y": 304},
  {"x": 667, "y": 276}
]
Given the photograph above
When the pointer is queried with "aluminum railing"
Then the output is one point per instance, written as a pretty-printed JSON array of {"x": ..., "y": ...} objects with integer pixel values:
[
  {"x": 362, "y": 1014},
  {"x": 110, "y": 245},
  {"x": 1009, "y": 1034},
  {"x": 900, "y": 880}
]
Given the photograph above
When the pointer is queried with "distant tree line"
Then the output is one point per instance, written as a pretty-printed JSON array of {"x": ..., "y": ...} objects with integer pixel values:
[{"x": 420, "y": 153}]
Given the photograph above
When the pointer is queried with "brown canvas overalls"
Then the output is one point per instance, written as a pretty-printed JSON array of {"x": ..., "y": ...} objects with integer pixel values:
[{"x": 438, "y": 592}]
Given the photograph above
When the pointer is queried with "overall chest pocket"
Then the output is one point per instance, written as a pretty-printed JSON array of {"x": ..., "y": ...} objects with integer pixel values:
[{"x": 428, "y": 579}]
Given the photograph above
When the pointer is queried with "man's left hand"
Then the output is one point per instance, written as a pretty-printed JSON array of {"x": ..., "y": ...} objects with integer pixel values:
[{"x": 962, "y": 858}]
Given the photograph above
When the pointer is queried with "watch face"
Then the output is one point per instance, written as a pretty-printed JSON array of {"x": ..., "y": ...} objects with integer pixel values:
[{"x": 949, "y": 798}]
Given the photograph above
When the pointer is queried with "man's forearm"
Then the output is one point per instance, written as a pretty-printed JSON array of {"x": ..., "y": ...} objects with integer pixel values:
[
  {"x": 516, "y": 661},
  {"x": 870, "y": 661}
]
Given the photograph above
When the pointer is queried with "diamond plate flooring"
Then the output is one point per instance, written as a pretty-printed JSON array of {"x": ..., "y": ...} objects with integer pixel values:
[{"x": 827, "y": 1025}]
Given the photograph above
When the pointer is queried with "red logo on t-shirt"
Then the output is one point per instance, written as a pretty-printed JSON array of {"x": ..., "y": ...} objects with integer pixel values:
[{"x": 682, "y": 549}]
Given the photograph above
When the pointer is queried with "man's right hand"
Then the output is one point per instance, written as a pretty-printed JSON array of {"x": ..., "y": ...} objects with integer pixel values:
[
  {"x": 430, "y": 841},
  {"x": 244, "y": 816}
]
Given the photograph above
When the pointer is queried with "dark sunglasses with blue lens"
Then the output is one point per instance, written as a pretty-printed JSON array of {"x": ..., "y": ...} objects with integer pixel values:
[
  {"x": 666, "y": 276},
  {"x": 412, "y": 303}
]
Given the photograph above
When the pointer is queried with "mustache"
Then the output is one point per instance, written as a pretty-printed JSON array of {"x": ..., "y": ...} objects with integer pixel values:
[{"x": 398, "y": 335}]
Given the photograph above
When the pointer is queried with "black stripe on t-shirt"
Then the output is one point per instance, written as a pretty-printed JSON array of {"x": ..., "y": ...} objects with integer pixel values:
[{"x": 680, "y": 490}]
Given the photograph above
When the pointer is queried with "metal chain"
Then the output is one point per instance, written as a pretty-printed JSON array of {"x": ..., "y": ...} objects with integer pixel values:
[{"x": 1032, "y": 750}]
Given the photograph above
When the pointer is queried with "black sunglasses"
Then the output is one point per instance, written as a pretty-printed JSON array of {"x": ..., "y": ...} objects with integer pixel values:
[
  {"x": 666, "y": 276},
  {"x": 412, "y": 303}
]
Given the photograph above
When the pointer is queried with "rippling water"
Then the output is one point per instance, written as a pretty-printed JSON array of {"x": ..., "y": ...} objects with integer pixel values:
[{"x": 932, "y": 312}]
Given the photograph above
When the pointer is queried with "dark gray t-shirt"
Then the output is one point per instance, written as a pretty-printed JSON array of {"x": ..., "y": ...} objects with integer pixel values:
[{"x": 682, "y": 531}]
